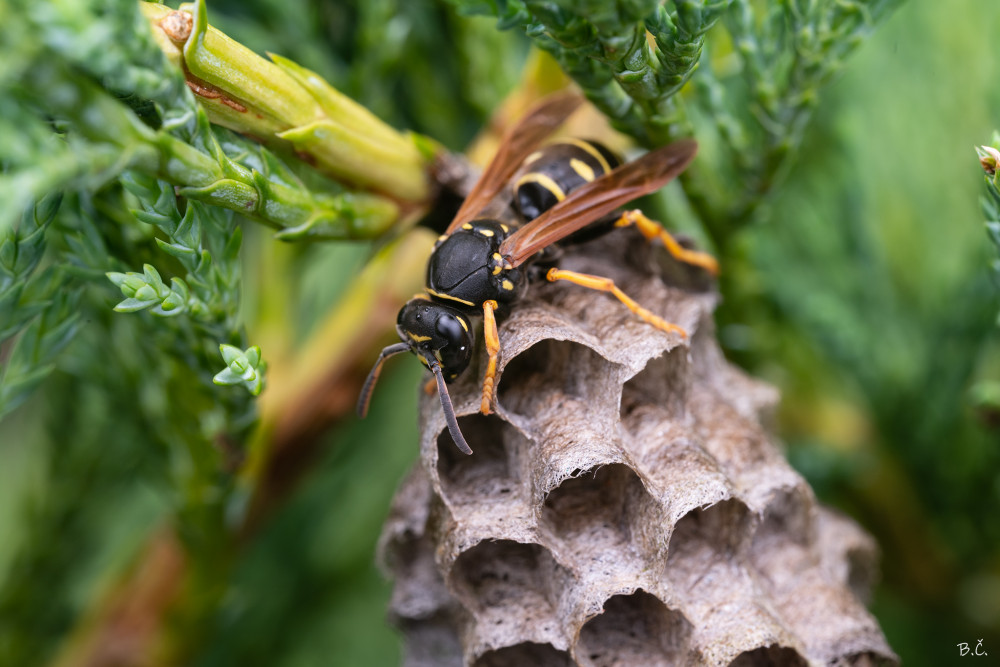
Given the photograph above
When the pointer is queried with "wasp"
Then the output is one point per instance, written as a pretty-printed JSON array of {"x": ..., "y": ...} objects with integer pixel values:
[{"x": 481, "y": 266}]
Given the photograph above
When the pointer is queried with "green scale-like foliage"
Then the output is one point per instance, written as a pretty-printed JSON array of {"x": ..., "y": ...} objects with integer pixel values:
[{"x": 137, "y": 248}]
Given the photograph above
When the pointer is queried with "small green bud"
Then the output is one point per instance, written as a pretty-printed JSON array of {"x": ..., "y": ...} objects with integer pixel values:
[
  {"x": 154, "y": 280},
  {"x": 146, "y": 293},
  {"x": 116, "y": 278},
  {"x": 242, "y": 367},
  {"x": 230, "y": 353},
  {"x": 133, "y": 283},
  {"x": 173, "y": 304}
]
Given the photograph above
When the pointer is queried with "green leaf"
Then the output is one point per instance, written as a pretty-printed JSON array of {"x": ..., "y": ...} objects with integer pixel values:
[
  {"x": 133, "y": 305},
  {"x": 230, "y": 353}
]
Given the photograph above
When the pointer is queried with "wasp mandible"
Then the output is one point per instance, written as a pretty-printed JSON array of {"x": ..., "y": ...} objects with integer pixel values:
[{"x": 480, "y": 266}]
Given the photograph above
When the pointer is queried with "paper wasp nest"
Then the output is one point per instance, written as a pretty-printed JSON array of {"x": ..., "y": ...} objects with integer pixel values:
[{"x": 624, "y": 506}]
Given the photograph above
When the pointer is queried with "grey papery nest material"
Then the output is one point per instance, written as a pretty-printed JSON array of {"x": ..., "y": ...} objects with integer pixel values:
[{"x": 625, "y": 505}]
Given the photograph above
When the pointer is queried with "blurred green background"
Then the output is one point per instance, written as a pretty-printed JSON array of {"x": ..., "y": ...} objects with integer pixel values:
[{"x": 862, "y": 290}]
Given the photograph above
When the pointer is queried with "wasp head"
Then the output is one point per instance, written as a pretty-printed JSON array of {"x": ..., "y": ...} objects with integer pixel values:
[
  {"x": 436, "y": 333},
  {"x": 441, "y": 337}
]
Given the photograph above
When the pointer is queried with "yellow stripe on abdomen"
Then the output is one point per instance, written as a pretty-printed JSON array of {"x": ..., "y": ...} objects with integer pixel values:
[{"x": 544, "y": 181}]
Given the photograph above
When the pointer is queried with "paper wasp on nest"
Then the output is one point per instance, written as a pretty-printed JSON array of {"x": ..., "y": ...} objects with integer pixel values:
[{"x": 569, "y": 191}]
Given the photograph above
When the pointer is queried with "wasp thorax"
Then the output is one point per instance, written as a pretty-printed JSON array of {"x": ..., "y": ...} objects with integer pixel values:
[
  {"x": 467, "y": 269},
  {"x": 436, "y": 332}
]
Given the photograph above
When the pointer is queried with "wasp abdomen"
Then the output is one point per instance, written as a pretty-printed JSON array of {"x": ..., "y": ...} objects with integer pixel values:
[{"x": 558, "y": 169}]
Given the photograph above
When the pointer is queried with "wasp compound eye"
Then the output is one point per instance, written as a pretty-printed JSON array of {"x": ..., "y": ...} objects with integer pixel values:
[
  {"x": 457, "y": 352},
  {"x": 435, "y": 331}
]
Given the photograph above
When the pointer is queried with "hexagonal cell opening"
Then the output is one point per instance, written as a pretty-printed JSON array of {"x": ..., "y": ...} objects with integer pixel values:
[
  {"x": 601, "y": 511},
  {"x": 419, "y": 587},
  {"x": 431, "y": 642},
  {"x": 788, "y": 515},
  {"x": 504, "y": 582},
  {"x": 706, "y": 536},
  {"x": 783, "y": 539},
  {"x": 769, "y": 656},
  {"x": 636, "y": 629},
  {"x": 492, "y": 471},
  {"x": 861, "y": 574},
  {"x": 527, "y": 654},
  {"x": 662, "y": 383},
  {"x": 548, "y": 373},
  {"x": 863, "y": 659}
]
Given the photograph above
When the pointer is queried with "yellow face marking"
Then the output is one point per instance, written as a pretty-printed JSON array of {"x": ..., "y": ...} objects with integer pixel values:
[
  {"x": 505, "y": 228},
  {"x": 449, "y": 297},
  {"x": 417, "y": 339},
  {"x": 583, "y": 169},
  {"x": 485, "y": 232},
  {"x": 462, "y": 322},
  {"x": 594, "y": 153},
  {"x": 507, "y": 285},
  {"x": 466, "y": 226},
  {"x": 545, "y": 182}
]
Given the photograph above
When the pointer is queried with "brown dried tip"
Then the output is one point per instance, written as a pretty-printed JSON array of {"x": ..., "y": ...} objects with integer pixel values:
[
  {"x": 989, "y": 158},
  {"x": 624, "y": 505},
  {"x": 177, "y": 26}
]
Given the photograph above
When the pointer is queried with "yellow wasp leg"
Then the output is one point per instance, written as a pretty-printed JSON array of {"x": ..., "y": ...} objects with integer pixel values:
[
  {"x": 493, "y": 350},
  {"x": 653, "y": 230},
  {"x": 608, "y": 285}
]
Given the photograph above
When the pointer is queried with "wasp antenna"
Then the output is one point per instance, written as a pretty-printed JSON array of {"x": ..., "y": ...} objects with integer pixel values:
[
  {"x": 366, "y": 391},
  {"x": 449, "y": 409}
]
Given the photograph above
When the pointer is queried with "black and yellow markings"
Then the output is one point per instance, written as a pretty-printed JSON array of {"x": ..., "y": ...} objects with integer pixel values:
[
  {"x": 485, "y": 232},
  {"x": 467, "y": 227},
  {"x": 593, "y": 151},
  {"x": 417, "y": 339},
  {"x": 582, "y": 169},
  {"x": 507, "y": 285},
  {"x": 542, "y": 180},
  {"x": 449, "y": 297},
  {"x": 561, "y": 168},
  {"x": 498, "y": 258},
  {"x": 602, "y": 284}
]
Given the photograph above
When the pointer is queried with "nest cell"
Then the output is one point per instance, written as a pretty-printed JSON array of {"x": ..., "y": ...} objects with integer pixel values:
[{"x": 634, "y": 629}]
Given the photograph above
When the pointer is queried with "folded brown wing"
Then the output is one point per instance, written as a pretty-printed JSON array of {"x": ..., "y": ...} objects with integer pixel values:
[{"x": 518, "y": 143}]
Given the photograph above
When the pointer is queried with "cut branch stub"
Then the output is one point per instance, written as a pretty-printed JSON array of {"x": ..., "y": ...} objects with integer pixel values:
[{"x": 625, "y": 505}]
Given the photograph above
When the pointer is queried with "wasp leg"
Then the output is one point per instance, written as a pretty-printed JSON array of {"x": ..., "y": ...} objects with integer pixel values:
[
  {"x": 430, "y": 386},
  {"x": 493, "y": 350},
  {"x": 653, "y": 230},
  {"x": 608, "y": 285}
]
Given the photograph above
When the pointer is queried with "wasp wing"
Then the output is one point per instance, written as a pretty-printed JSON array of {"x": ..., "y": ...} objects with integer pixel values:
[
  {"x": 596, "y": 199},
  {"x": 517, "y": 144}
]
